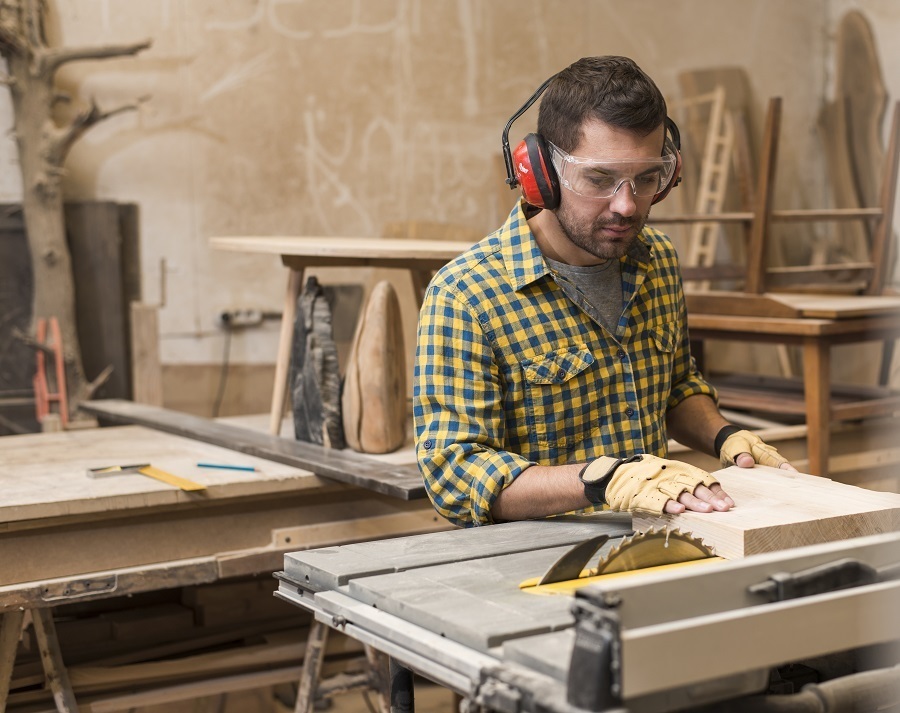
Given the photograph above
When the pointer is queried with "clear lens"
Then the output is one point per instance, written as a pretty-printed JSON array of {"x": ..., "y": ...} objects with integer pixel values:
[{"x": 594, "y": 178}]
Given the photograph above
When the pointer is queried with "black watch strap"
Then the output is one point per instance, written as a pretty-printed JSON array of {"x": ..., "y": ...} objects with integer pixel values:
[{"x": 596, "y": 476}]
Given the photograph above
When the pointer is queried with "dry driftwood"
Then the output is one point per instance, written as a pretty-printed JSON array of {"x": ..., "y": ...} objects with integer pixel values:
[{"x": 43, "y": 145}]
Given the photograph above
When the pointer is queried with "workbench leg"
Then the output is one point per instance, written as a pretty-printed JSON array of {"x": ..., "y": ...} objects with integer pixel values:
[
  {"x": 312, "y": 667},
  {"x": 887, "y": 361},
  {"x": 380, "y": 677},
  {"x": 817, "y": 394},
  {"x": 402, "y": 690},
  {"x": 10, "y": 631},
  {"x": 285, "y": 340},
  {"x": 420, "y": 280},
  {"x": 51, "y": 657}
]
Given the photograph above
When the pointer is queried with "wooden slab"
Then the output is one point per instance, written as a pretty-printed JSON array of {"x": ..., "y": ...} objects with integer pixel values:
[
  {"x": 397, "y": 480},
  {"x": 44, "y": 475},
  {"x": 778, "y": 509}
]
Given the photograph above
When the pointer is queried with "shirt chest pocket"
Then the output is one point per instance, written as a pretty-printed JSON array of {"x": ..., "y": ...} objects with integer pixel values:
[
  {"x": 561, "y": 395},
  {"x": 654, "y": 357}
]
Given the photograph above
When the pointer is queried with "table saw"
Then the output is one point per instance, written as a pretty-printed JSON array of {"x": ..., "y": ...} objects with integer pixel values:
[{"x": 580, "y": 613}]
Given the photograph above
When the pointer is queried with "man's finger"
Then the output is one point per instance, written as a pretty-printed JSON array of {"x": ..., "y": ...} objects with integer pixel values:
[
  {"x": 745, "y": 460},
  {"x": 722, "y": 495},
  {"x": 713, "y": 498},
  {"x": 674, "y": 508},
  {"x": 788, "y": 466},
  {"x": 694, "y": 503}
]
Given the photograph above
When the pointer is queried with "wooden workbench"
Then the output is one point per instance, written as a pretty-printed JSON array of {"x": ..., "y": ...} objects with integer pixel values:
[
  {"x": 420, "y": 257},
  {"x": 68, "y": 538}
]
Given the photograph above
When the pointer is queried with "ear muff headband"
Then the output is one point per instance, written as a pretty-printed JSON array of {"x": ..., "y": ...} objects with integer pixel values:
[
  {"x": 529, "y": 167},
  {"x": 671, "y": 144}
]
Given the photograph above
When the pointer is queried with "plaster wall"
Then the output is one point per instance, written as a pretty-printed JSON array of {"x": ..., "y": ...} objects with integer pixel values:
[{"x": 333, "y": 118}]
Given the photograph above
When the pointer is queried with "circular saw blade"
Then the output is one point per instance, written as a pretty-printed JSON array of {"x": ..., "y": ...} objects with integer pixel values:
[{"x": 653, "y": 549}]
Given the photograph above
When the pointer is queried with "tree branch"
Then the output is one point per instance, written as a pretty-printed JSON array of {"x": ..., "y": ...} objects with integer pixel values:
[
  {"x": 63, "y": 138},
  {"x": 12, "y": 41},
  {"x": 34, "y": 23},
  {"x": 51, "y": 60}
]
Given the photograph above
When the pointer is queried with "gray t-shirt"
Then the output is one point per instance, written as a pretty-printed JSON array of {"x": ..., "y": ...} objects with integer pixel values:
[{"x": 597, "y": 289}]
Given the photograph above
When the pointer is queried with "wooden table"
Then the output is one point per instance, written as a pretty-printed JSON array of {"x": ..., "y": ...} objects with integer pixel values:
[
  {"x": 420, "y": 257},
  {"x": 815, "y": 323},
  {"x": 66, "y": 537}
]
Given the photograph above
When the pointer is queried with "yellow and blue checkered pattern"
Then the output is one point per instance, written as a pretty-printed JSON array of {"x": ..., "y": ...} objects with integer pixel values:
[{"x": 510, "y": 372}]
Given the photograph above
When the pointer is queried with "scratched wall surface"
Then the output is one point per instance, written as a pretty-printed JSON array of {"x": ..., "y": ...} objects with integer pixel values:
[{"x": 334, "y": 117}]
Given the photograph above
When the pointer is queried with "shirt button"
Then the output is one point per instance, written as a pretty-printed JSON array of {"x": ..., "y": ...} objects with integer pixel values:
[
  {"x": 622, "y": 354},
  {"x": 428, "y": 444},
  {"x": 629, "y": 412}
]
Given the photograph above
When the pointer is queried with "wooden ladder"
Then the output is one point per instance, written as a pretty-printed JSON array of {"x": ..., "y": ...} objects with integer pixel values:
[{"x": 713, "y": 182}]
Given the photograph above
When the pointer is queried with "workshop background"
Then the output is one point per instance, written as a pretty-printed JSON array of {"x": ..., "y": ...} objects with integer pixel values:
[{"x": 279, "y": 117}]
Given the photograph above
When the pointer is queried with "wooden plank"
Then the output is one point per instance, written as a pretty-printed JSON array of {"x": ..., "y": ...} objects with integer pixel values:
[
  {"x": 146, "y": 366},
  {"x": 779, "y": 509},
  {"x": 397, "y": 480},
  {"x": 384, "y": 251},
  {"x": 765, "y": 192}
]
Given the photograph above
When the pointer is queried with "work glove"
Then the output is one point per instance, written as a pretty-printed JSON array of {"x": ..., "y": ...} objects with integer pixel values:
[
  {"x": 737, "y": 441},
  {"x": 642, "y": 482}
]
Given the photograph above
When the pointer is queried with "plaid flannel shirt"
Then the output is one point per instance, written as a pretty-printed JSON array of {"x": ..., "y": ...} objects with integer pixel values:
[{"x": 510, "y": 372}]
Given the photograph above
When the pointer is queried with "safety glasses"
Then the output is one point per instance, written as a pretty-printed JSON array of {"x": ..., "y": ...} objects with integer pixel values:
[{"x": 593, "y": 178}]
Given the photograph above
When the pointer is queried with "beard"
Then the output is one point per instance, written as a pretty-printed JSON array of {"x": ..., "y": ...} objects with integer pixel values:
[{"x": 586, "y": 234}]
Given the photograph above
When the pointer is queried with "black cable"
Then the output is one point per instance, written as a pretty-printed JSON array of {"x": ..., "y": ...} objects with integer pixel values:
[{"x": 223, "y": 374}]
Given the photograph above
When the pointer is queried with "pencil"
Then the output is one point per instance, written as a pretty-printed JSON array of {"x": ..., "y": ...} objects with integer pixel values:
[{"x": 226, "y": 466}]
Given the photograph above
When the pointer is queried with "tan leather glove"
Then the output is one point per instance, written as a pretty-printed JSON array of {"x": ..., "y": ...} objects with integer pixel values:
[
  {"x": 747, "y": 442},
  {"x": 642, "y": 482}
]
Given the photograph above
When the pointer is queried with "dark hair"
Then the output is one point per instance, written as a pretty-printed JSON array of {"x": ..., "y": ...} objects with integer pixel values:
[{"x": 612, "y": 89}]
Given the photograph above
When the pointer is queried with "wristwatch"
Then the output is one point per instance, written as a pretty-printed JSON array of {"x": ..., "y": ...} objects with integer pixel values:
[{"x": 595, "y": 476}]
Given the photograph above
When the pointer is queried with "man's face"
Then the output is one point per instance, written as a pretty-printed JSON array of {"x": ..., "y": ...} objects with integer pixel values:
[{"x": 605, "y": 228}]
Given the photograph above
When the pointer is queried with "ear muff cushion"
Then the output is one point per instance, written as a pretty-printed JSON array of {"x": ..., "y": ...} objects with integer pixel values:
[{"x": 535, "y": 173}]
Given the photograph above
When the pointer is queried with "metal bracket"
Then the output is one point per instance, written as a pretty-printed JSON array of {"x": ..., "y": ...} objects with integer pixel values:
[
  {"x": 595, "y": 670},
  {"x": 76, "y": 588},
  {"x": 495, "y": 695}
]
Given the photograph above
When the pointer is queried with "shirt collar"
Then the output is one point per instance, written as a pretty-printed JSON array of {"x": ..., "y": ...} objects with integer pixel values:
[
  {"x": 523, "y": 258},
  {"x": 521, "y": 254}
]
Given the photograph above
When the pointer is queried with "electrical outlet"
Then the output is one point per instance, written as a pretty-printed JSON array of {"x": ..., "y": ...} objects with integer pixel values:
[{"x": 240, "y": 318}]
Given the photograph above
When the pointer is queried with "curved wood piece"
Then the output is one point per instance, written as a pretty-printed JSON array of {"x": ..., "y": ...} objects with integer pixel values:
[{"x": 374, "y": 398}]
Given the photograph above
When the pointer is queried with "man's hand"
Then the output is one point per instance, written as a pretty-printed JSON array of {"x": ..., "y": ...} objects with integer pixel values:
[
  {"x": 651, "y": 484},
  {"x": 745, "y": 449}
]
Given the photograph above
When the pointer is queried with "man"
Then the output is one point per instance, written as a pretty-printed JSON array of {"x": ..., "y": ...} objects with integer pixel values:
[{"x": 553, "y": 357}]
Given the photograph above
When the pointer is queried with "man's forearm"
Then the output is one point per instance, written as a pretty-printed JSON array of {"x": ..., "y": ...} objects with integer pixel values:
[
  {"x": 695, "y": 422},
  {"x": 540, "y": 491}
]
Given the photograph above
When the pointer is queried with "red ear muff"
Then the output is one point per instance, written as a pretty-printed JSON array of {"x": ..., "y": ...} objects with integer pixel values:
[
  {"x": 672, "y": 145},
  {"x": 534, "y": 172}
]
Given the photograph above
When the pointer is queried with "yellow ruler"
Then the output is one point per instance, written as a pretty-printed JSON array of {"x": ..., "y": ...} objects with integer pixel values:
[{"x": 169, "y": 478}]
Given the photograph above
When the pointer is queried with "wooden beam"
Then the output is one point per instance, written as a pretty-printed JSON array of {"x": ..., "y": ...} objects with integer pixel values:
[
  {"x": 765, "y": 191},
  {"x": 396, "y": 480}
]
